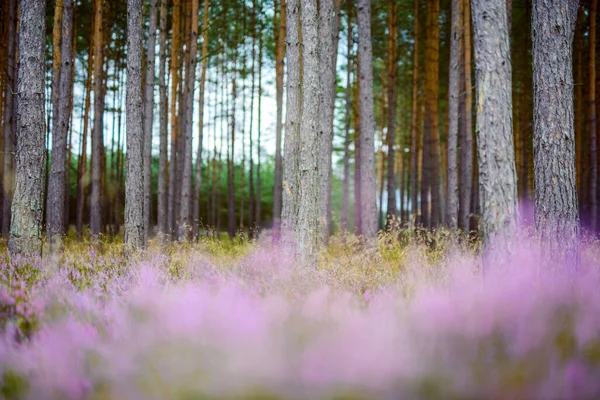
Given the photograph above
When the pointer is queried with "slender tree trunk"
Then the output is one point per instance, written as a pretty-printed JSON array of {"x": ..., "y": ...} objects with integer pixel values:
[
  {"x": 392, "y": 69},
  {"x": 149, "y": 117},
  {"x": 196, "y": 216},
  {"x": 163, "y": 106},
  {"x": 347, "y": 139},
  {"x": 10, "y": 126},
  {"x": 27, "y": 206},
  {"x": 453, "y": 94},
  {"x": 135, "y": 219},
  {"x": 367, "y": 122},
  {"x": 497, "y": 175},
  {"x": 186, "y": 195},
  {"x": 231, "y": 153},
  {"x": 327, "y": 55},
  {"x": 466, "y": 135},
  {"x": 280, "y": 31},
  {"x": 358, "y": 229},
  {"x": 251, "y": 201},
  {"x": 292, "y": 115},
  {"x": 593, "y": 145},
  {"x": 175, "y": 55},
  {"x": 556, "y": 209},
  {"x": 257, "y": 209},
  {"x": 56, "y": 61},
  {"x": 221, "y": 140},
  {"x": 414, "y": 128},
  {"x": 57, "y": 195}
]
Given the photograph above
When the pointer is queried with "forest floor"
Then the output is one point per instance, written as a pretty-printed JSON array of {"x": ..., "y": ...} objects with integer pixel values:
[{"x": 411, "y": 318}]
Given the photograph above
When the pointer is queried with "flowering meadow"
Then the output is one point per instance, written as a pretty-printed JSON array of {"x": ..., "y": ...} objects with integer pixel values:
[{"x": 413, "y": 317}]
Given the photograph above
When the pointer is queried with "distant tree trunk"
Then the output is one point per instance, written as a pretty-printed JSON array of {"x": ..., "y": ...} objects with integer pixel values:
[
  {"x": 280, "y": 30},
  {"x": 96, "y": 209},
  {"x": 357, "y": 154},
  {"x": 196, "y": 216},
  {"x": 414, "y": 126},
  {"x": 432, "y": 49},
  {"x": 292, "y": 115},
  {"x": 10, "y": 125},
  {"x": 175, "y": 55},
  {"x": 347, "y": 139},
  {"x": 231, "y": 153},
  {"x": 257, "y": 209},
  {"x": 134, "y": 186},
  {"x": 251, "y": 201},
  {"x": 327, "y": 54},
  {"x": 466, "y": 135},
  {"x": 221, "y": 140},
  {"x": 186, "y": 195},
  {"x": 367, "y": 122},
  {"x": 56, "y": 61},
  {"x": 556, "y": 210},
  {"x": 307, "y": 226},
  {"x": 56, "y": 185},
  {"x": 162, "y": 167},
  {"x": 149, "y": 117},
  {"x": 27, "y": 206},
  {"x": 497, "y": 175},
  {"x": 593, "y": 179},
  {"x": 453, "y": 94},
  {"x": 392, "y": 69}
]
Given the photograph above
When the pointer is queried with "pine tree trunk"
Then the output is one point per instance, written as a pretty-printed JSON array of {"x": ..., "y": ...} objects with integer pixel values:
[
  {"x": 453, "y": 94},
  {"x": 327, "y": 54},
  {"x": 392, "y": 69},
  {"x": 279, "y": 70},
  {"x": 368, "y": 186},
  {"x": 593, "y": 145},
  {"x": 231, "y": 152},
  {"x": 497, "y": 175},
  {"x": 163, "y": 107},
  {"x": 556, "y": 209},
  {"x": 27, "y": 206},
  {"x": 466, "y": 135},
  {"x": 196, "y": 215},
  {"x": 414, "y": 127},
  {"x": 57, "y": 195},
  {"x": 56, "y": 62},
  {"x": 292, "y": 115},
  {"x": 347, "y": 139},
  {"x": 149, "y": 117},
  {"x": 251, "y": 201},
  {"x": 134, "y": 186},
  {"x": 10, "y": 123},
  {"x": 257, "y": 209},
  {"x": 95, "y": 197},
  {"x": 357, "y": 153},
  {"x": 579, "y": 106}
]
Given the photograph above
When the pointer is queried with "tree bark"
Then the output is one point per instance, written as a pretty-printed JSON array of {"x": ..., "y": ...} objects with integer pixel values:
[
  {"x": 231, "y": 151},
  {"x": 292, "y": 115},
  {"x": 414, "y": 126},
  {"x": 357, "y": 153},
  {"x": 163, "y": 107},
  {"x": 257, "y": 209},
  {"x": 279, "y": 71},
  {"x": 251, "y": 201},
  {"x": 466, "y": 135},
  {"x": 367, "y": 122},
  {"x": 347, "y": 139},
  {"x": 556, "y": 209},
  {"x": 175, "y": 55},
  {"x": 27, "y": 206},
  {"x": 453, "y": 100},
  {"x": 593, "y": 179},
  {"x": 134, "y": 186},
  {"x": 96, "y": 209},
  {"x": 149, "y": 118},
  {"x": 57, "y": 193},
  {"x": 392, "y": 69},
  {"x": 497, "y": 175}
]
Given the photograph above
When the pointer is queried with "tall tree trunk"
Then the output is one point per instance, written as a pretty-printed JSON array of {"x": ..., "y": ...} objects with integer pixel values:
[
  {"x": 231, "y": 151},
  {"x": 149, "y": 118},
  {"x": 95, "y": 209},
  {"x": 414, "y": 118},
  {"x": 175, "y": 55},
  {"x": 367, "y": 122},
  {"x": 327, "y": 55},
  {"x": 257, "y": 209},
  {"x": 453, "y": 94},
  {"x": 432, "y": 49},
  {"x": 347, "y": 139},
  {"x": 292, "y": 115},
  {"x": 497, "y": 175},
  {"x": 392, "y": 69},
  {"x": 307, "y": 227},
  {"x": 27, "y": 206},
  {"x": 10, "y": 125},
  {"x": 56, "y": 61},
  {"x": 579, "y": 144},
  {"x": 56, "y": 184},
  {"x": 163, "y": 106},
  {"x": 280, "y": 30},
  {"x": 251, "y": 201},
  {"x": 593, "y": 145},
  {"x": 196, "y": 215},
  {"x": 134, "y": 186},
  {"x": 358, "y": 229},
  {"x": 186, "y": 195},
  {"x": 466, "y": 135},
  {"x": 556, "y": 210}
]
